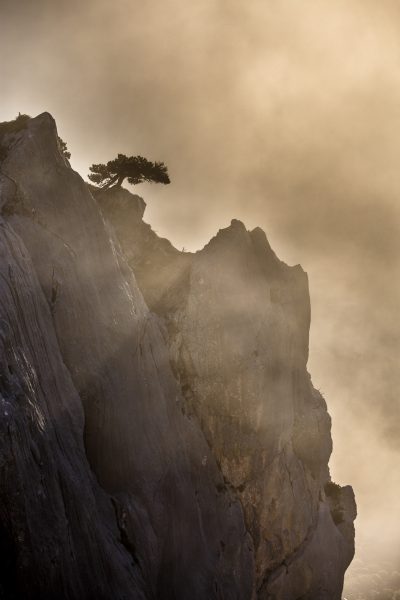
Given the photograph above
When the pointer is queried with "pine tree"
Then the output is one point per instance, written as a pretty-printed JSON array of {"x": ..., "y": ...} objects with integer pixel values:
[{"x": 135, "y": 169}]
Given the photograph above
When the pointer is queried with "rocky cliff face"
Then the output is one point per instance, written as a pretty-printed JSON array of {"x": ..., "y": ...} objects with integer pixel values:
[
  {"x": 161, "y": 437},
  {"x": 238, "y": 321}
]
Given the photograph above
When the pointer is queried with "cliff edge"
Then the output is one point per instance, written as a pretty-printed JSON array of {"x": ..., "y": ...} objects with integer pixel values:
[
  {"x": 237, "y": 321},
  {"x": 161, "y": 437}
]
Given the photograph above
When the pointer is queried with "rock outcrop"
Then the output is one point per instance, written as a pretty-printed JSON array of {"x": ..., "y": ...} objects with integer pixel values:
[
  {"x": 161, "y": 437},
  {"x": 238, "y": 325}
]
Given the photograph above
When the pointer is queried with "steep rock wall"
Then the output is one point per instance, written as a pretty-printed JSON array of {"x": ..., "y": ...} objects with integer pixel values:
[
  {"x": 177, "y": 452},
  {"x": 238, "y": 322},
  {"x": 58, "y": 535},
  {"x": 174, "y": 520}
]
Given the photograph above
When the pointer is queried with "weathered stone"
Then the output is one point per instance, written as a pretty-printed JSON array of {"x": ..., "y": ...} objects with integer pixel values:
[
  {"x": 183, "y": 528},
  {"x": 238, "y": 323},
  {"x": 58, "y": 533},
  {"x": 173, "y": 453}
]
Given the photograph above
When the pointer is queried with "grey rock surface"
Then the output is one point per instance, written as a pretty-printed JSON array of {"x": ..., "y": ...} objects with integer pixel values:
[
  {"x": 238, "y": 324},
  {"x": 181, "y": 529},
  {"x": 160, "y": 434},
  {"x": 58, "y": 533}
]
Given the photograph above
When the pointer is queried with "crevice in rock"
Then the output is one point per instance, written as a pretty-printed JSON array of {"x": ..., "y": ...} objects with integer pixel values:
[{"x": 121, "y": 520}]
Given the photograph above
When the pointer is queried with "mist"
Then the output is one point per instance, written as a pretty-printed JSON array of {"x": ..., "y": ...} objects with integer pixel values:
[{"x": 283, "y": 114}]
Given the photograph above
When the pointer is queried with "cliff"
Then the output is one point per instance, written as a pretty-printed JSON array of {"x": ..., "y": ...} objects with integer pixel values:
[{"x": 161, "y": 437}]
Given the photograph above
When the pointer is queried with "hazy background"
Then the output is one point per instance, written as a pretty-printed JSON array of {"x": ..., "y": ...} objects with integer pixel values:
[{"x": 282, "y": 113}]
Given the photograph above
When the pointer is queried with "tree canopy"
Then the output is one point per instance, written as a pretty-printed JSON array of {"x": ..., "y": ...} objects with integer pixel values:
[
  {"x": 135, "y": 169},
  {"x": 63, "y": 148}
]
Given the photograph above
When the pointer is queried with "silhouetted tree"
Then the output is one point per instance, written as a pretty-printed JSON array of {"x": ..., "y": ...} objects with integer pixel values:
[
  {"x": 63, "y": 148},
  {"x": 134, "y": 168}
]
